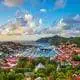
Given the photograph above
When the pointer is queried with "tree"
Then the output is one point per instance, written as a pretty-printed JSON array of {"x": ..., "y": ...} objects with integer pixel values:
[
  {"x": 19, "y": 76},
  {"x": 22, "y": 63},
  {"x": 50, "y": 68},
  {"x": 40, "y": 60},
  {"x": 60, "y": 76},
  {"x": 11, "y": 75},
  {"x": 3, "y": 76}
]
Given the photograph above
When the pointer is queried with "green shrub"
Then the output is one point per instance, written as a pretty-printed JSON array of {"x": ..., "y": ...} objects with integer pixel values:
[
  {"x": 22, "y": 70},
  {"x": 76, "y": 57}
]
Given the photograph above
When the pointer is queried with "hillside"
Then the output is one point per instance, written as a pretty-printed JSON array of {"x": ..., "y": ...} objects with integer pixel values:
[{"x": 56, "y": 40}]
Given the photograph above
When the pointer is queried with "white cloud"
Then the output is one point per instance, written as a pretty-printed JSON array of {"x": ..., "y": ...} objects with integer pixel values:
[
  {"x": 28, "y": 17},
  {"x": 60, "y": 4},
  {"x": 60, "y": 30},
  {"x": 43, "y": 10},
  {"x": 12, "y": 3},
  {"x": 70, "y": 33},
  {"x": 77, "y": 17},
  {"x": 40, "y": 21},
  {"x": 37, "y": 27},
  {"x": 32, "y": 23},
  {"x": 30, "y": 26}
]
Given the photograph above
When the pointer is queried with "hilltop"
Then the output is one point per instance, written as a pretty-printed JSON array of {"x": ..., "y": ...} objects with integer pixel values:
[{"x": 56, "y": 40}]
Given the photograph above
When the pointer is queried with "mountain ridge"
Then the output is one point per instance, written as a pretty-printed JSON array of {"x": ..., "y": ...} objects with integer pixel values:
[{"x": 57, "y": 40}]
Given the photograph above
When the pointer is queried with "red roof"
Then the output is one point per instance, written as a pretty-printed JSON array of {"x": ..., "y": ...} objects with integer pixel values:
[{"x": 77, "y": 78}]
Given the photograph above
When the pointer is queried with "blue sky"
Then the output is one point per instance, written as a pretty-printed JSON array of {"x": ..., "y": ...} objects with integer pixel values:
[{"x": 47, "y": 10}]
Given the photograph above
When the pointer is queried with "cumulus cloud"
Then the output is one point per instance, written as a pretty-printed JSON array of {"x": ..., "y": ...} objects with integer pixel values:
[
  {"x": 12, "y": 3},
  {"x": 43, "y": 10},
  {"x": 30, "y": 27},
  {"x": 70, "y": 33},
  {"x": 33, "y": 25},
  {"x": 61, "y": 29},
  {"x": 28, "y": 17},
  {"x": 57, "y": 29},
  {"x": 60, "y": 4}
]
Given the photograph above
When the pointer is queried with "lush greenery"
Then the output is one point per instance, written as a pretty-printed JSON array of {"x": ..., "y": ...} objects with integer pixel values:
[
  {"x": 76, "y": 57},
  {"x": 52, "y": 71},
  {"x": 56, "y": 40}
]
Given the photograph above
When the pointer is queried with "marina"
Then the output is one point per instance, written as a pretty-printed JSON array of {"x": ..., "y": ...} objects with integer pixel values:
[{"x": 30, "y": 49}]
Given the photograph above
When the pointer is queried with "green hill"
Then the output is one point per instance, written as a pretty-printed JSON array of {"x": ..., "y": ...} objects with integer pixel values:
[{"x": 56, "y": 40}]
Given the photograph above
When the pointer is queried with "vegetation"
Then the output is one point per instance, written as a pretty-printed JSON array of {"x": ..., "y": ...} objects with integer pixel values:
[
  {"x": 76, "y": 57},
  {"x": 52, "y": 70},
  {"x": 56, "y": 40}
]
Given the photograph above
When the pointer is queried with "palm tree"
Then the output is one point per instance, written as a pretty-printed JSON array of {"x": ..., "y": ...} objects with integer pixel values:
[
  {"x": 19, "y": 76},
  {"x": 22, "y": 63},
  {"x": 11, "y": 75}
]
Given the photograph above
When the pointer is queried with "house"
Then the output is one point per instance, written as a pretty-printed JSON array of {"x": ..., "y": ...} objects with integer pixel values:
[
  {"x": 39, "y": 66},
  {"x": 39, "y": 78}
]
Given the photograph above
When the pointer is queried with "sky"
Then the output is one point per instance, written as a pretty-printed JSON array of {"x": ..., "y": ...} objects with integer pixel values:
[{"x": 47, "y": 12}]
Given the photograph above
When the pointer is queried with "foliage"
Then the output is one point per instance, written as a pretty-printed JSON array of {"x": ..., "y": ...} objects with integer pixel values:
[
  {"x": 56, "y": 40},
  {"x": 76, "y": 57},
  {"x": 50, "y": 71}
]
